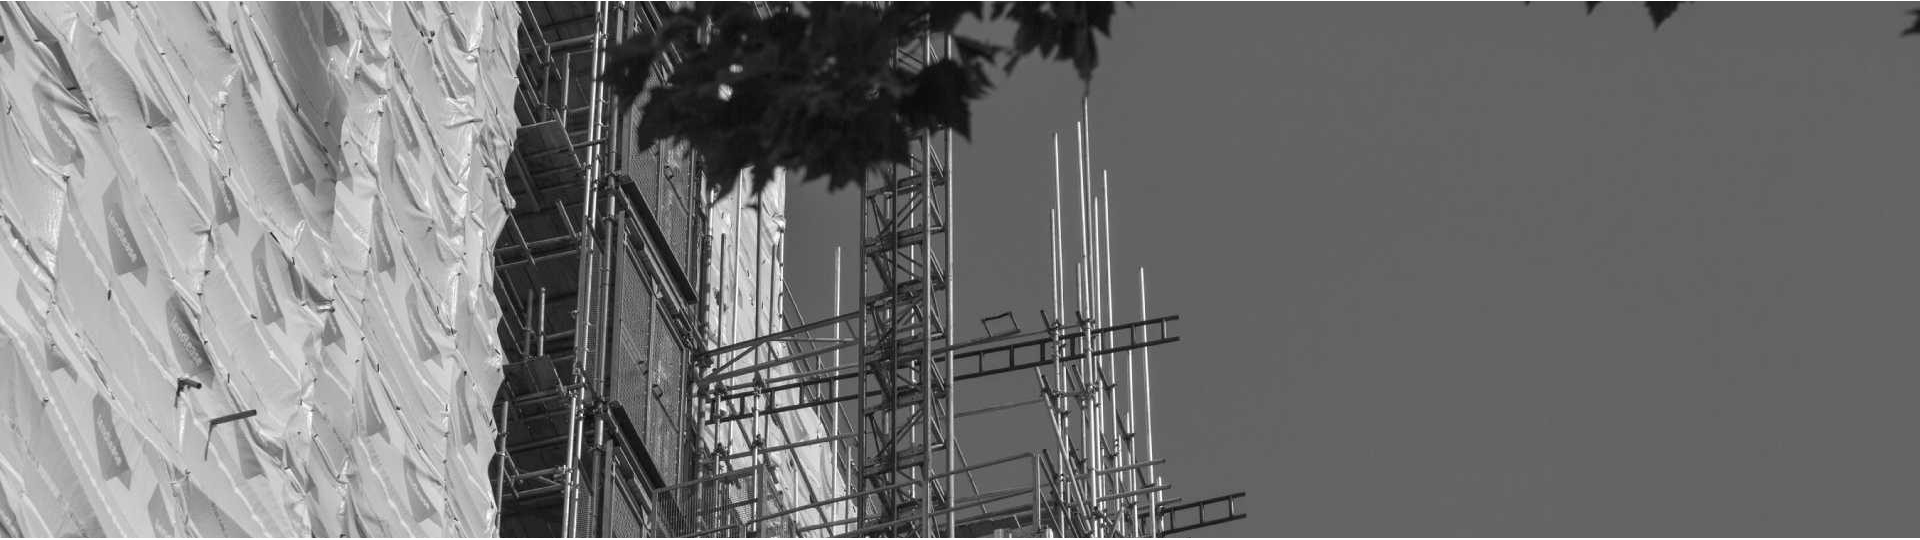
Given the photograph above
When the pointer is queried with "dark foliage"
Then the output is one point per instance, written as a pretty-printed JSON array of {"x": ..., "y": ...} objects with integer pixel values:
[
  {"x": 817, "y": 89},
  {"x": 1661, "y": 11}
]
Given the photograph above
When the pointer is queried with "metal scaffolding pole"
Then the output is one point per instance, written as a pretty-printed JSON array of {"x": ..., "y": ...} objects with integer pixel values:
[
  {"x": 952, "y": 435},
  {"x": 1146, "y": 368}
]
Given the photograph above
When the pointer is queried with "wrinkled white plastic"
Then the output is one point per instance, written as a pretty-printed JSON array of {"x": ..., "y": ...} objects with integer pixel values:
[
  {"x": 284, "y": 208},
  {"x": 749, "y": 278}
]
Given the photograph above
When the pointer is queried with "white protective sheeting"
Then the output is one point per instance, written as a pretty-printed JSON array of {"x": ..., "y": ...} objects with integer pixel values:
[
  {"x": 284, "y": 208},
  {"x": 748, "y": 279}
]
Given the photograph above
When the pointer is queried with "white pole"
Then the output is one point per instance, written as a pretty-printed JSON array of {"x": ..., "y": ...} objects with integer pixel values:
[
  {"x": 1059, "y": 252},
  {"x": 1106, "y": 225},
  {"x": 838, "y": 456},
  {"x": 1059, "y": 264},
  {"x": 1059, "y": 312},
  {"x": 1096, "y": 456},
  {"x": 1053, "y": 272},
  {"x": 1104, "y": 390},
  {"x": 952, "y": 268},
  {"x": 1089, "y": 405},
  {"x": 1146, "y": 367},
  {"x": 1080, "y": 283}
]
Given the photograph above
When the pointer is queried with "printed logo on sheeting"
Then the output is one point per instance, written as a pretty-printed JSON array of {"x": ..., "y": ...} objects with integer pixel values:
[
  {"x": 382, "y": 248},
  {"x": 127, "y": 258},
  {"x": 207, "y": 519},
  {"x": 60, "y": 145},
  {"x": 188, "y": 350},
  {"x": 249, "y": 460},
  {"x": 370, "y": 420},
  {"x": 225, "y": 211},
  {"x": 24, "y": 299},
  {"x": 417, "y": 492},
  {"x": 19, "y": 400},
  {"x": 57, "y": 361},
  {"x": 330, "y": 332},
  {"x": 263, "y": 283},
  {"x": 113, "y": 458},
  {"x": 462, "y": 418},
  {"x": 158, "y": 514},
  {"x": 316, "y": 527},
  {"x": 155, "y": 114},
  {"x": 296, "y": 159},
  {"x": 428, "y": 351},
  {"x": 303, "y": 289}
]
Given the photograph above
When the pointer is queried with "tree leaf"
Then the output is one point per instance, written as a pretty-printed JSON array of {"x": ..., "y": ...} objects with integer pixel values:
[
  {"x": 1661, "y": 11},
  {"x": 818, "y": 89}
]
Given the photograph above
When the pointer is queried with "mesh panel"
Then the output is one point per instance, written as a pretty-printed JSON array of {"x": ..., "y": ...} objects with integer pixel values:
[
  {"x": 631, "y": 328},
  {"x": 623, "y": 516},
  {"x": 643, "y": 166},
  {"x": 674, "y": 206},
  {"x": 647, "y": 376},
  {"x": 588, "y": 518},
  {"x": 666, "y": 429}
]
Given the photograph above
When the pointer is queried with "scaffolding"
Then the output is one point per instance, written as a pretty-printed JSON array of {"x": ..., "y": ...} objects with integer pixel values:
[
  {"x": 590, "y": 446},
  {"x": 593, "y": 271}
]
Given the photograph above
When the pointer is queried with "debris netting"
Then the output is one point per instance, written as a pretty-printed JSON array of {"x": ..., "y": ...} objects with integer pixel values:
[{"x": 247, "y": 266}]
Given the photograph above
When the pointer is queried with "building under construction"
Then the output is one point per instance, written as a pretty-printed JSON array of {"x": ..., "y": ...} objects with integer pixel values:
[
  {"x": 302, "y": 269},
  {"x": 661, "y": 383}
]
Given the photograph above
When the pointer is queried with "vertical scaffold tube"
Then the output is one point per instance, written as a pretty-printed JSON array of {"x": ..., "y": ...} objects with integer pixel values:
[
  {"x": 952, "y": 268},
  {"x": 1146, "y": 368}
]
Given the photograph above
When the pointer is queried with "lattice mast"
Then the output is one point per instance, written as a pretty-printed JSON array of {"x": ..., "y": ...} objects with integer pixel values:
[{"x": 906, "y": 301}]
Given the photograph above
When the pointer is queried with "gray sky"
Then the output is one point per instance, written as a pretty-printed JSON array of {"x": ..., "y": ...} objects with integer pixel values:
[{"x": 1487, "y": 269}]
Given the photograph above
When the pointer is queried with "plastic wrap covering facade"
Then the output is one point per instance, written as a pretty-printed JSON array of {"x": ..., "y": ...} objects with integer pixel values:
[
  {"x": 747, "y": 293},
  {"x": 247, "y": 267}
]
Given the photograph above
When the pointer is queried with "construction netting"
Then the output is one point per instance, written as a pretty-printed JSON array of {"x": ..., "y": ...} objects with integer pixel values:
[{"x": 247, "y": 267}]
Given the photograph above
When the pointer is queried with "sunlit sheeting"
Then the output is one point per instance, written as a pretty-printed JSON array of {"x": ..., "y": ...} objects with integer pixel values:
[{"x": 211, "y": 209}]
